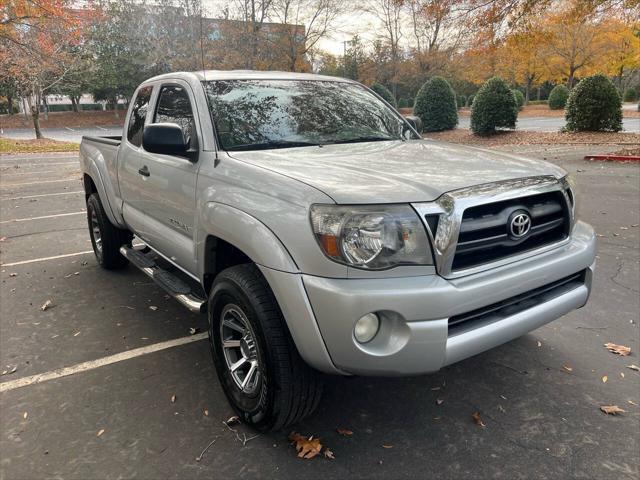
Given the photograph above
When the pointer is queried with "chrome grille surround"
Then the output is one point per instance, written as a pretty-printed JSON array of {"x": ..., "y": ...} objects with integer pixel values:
[{"x": 451, "y": 206}]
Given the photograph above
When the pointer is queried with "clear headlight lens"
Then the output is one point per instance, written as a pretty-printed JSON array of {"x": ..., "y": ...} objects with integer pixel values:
[{"x": 371, "y": 236}]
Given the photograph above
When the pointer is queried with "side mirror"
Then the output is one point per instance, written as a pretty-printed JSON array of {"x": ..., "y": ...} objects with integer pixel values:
[
  {"x": 165, "y": 138},
  {"x": 415, "y": 122}
]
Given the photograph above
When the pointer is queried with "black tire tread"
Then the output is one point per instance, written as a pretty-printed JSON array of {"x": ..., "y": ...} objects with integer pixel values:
[
  {"x": 300, "y": 386},
  {"x": 112, "y": 237}
]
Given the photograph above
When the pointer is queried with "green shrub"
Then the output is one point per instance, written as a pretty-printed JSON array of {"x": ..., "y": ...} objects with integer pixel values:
[
  {"x": 558, "y": 97},
  {"x": 630, "y": 95},
  {"x": 538, "y": 102},
  {"x": 60, "y": 108},
  {"x": 403, "y": 103},
  {"x": 470, "y": 100},
  {"x": 384, "y": 93},
  {"x": 519, "y": 97},
  {"x": 594, "y": 105},
  {"x": 461, "y": 101},
  {"x": 436, "y": 105},
  {"x": 410, "y": 102},
  {"x": 494, "y": 107}
]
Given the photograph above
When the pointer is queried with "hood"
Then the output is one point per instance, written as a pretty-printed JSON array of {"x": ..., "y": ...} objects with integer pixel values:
[{"x": 394, "y": 171}]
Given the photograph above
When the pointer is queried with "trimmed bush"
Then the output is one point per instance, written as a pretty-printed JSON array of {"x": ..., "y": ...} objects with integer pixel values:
[
  {"x": 594, "y": 105},
  {"x": 384, "y": 93},
  {"x": 436, "y": 105},
  {"x": 630, "y": 95},
  {"x": 403, "y": 103},
  {"x": 519, "y": 97},
  {"x": 470, "y": 100},
  {"x": 461, "y": 101},
  {"x": 494, "y": 107},
  {"x": 558, "y": 97}
]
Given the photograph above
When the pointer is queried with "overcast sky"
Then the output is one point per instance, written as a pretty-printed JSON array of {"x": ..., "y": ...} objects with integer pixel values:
[{"x": 346, "y": 27}]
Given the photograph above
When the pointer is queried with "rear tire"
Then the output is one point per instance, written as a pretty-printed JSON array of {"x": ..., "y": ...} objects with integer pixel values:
[
  {"x": 106, "y": 238},
  {"x": 271, "y": 387}
]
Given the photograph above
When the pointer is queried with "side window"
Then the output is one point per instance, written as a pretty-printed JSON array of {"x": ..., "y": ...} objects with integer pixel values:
[
  {"x": 138, "y": 115},
  {"x": 174, "y": 107}
]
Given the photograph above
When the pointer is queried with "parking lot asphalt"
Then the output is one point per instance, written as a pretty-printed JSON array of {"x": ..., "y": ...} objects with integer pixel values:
[{"x": 152, "y": 414}]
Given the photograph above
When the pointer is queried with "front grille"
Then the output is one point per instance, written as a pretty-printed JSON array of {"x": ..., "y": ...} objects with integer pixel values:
[
  {"x": 511, "y": 306},
  {"x": 484, "y": 232}
]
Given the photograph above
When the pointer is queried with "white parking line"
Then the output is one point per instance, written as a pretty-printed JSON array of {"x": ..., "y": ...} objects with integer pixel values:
[
  {"x": 101, "y": 362},
  {"x": 44, "y": 259},
  {"x": 42, "y": 195},
  {"x": 38, "y": 183},
  {"x": 40, "y": 172},
  {"x": 43, "y": 217}
]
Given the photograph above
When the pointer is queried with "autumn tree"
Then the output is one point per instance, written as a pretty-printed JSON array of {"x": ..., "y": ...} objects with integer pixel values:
[
  {"x": 35, "y": 43},
  {"x": 305, "y": 23}
]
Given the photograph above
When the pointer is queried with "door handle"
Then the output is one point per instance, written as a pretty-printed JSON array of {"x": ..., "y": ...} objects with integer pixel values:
[{"x": 144, "y": 171}]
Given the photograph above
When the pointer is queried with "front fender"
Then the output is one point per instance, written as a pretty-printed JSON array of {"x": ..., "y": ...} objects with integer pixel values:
[{"x": 244, "y": 232}]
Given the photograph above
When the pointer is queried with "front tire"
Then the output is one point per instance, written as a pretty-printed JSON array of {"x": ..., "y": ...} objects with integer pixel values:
[
  {"x": 106, "y": 238},
  {"x": 260, "y": 370}
]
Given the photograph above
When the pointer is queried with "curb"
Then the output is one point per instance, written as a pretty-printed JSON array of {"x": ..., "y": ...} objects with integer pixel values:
[{"x": 614, "y": 158}]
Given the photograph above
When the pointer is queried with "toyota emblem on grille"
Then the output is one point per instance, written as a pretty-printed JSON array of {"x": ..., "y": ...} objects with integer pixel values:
[{"x": 520, "y": 224}]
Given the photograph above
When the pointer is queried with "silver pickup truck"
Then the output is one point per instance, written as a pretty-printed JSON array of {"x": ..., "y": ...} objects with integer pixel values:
[{"x": 320, "y": 233}]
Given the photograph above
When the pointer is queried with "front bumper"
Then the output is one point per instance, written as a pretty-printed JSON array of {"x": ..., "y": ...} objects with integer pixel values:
[{"x": 414, "y": 336}]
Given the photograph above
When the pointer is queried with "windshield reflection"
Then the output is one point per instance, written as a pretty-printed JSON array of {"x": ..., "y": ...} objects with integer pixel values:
[{"x": 263, "y": 114}]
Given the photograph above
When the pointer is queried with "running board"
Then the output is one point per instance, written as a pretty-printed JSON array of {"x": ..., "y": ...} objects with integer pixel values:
[{"x": 170, "y": 282}]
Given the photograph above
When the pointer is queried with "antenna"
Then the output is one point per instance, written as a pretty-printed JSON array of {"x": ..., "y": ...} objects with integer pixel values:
[{"x": 204, "y": 71}]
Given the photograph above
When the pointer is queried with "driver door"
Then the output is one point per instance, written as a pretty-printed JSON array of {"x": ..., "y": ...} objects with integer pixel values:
[{"x": 168, "y": 182}]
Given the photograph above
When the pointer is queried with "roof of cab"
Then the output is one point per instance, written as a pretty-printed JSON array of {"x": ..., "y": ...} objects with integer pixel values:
[{"x": 205, "y": 75}]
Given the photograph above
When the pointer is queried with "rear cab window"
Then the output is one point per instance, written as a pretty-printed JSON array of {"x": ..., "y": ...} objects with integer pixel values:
[{"x": 138, "y": 116}]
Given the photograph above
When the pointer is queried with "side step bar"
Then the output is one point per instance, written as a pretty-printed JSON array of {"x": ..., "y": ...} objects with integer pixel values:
[{"x": 172, "y": 284}]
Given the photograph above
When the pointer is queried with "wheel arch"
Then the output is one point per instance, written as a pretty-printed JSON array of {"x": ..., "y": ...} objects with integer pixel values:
[{"x": 231, "y": 236}]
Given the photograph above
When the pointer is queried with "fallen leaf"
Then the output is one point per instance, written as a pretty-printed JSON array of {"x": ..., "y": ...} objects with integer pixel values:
[
  {"x": 619, "y": 349},
  {"x": 539, "y": 343},
  {"x": 328, "y": 454},
  {"x": 501, "y": 408},
  {"x": 193, "y": 331},
  {"x": 76, "y": 334},
  {"x": 478, "y": 421},
  {"x": 9, "y": 372},
  {"x": 25, "y": 415},
  {"x": 153, "y": 307},
  {"x": 604, "y": 379},
  {"x": 632, "y": 402},
  {"x": 100, "y": 432},
  {"x": 232, "y": 420},
  {"x": 173, "y": 399},
  {"x": 611, "y": 409},
  {"x": 634, "y": 367},
  {"x": 567, "y": 368},
  {"x": 46, "y": 305},
  {"x": 306, "y": 447},
  {"x": 439, "y": 401},
  {"x": 386, "y": 446},
  {"x": 206, "y": 413},
  {"x": 13, "y": 274},
  {"x": 344, "y": 432},
  {"x": 622, "y": 374},
  {"x": 2, "y": 239}
]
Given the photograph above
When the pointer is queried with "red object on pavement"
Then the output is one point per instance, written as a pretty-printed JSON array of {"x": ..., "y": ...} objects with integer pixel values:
[{"x": 615, "y": 158}]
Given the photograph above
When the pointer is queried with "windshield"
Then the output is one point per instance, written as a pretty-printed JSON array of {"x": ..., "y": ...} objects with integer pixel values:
[{"x": 263, "y": 114}]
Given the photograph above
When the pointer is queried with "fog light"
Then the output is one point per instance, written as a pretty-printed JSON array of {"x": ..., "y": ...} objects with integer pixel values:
[{"x": 366, "y": 328}]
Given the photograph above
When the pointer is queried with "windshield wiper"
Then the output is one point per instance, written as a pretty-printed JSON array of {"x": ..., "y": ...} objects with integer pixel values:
[
  {"x": 273, "y": 144},
  {"x": 366, "y": 139}
]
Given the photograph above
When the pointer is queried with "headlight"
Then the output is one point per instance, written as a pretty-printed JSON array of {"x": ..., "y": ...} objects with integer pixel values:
[{"x": 371, "y": 236}]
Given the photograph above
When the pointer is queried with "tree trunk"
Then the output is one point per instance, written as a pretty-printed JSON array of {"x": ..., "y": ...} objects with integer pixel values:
[
  {"x": 74, "y": 103},
  {"x": 35, "y": 115},
  {"x": 115, "y": 108},
  {"x": 527, "y": 90},
  {"x": 10, "y": 106}
]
